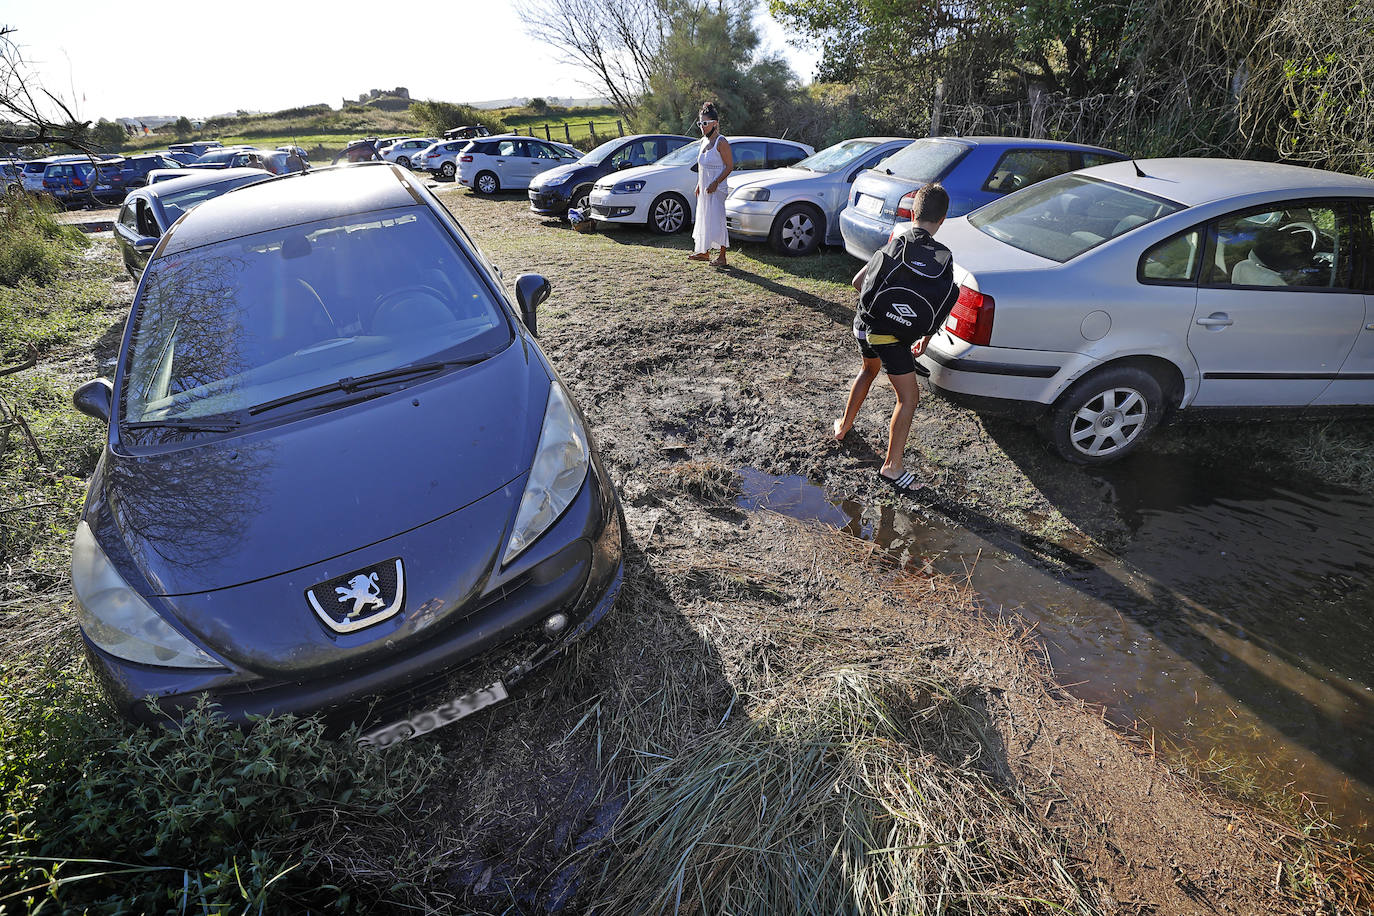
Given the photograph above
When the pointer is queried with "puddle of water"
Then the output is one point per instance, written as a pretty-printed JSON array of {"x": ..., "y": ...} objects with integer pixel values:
[{"x": 1238, "y": 617}]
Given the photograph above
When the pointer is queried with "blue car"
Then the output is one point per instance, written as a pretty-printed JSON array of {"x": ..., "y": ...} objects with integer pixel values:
[
  {"x": 552, "y": 192},
  {"x": 974, "y": 170},
  {"x": 341, "y": 477}
]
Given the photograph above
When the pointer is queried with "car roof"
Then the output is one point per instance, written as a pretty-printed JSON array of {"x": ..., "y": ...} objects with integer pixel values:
[
  {"x": 1202, "y": 180},
  {"x": 290, "y": 200},
  {"x": 1027, "y": 143},
  {"x": 195, "y": 178}
]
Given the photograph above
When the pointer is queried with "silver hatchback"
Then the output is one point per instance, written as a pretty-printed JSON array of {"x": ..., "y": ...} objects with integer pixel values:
[{"x": 1099, "y": 302}]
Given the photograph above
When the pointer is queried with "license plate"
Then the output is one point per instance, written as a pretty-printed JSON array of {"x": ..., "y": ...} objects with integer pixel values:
[
  {"x": 102, "y": 187},
  {"x": 870, "y": 204},
  {"x": 426, "y": 722},
  {"x": 600, "y": 197}
]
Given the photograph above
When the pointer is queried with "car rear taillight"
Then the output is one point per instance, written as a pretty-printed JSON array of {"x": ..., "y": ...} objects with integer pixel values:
[
  {"x": 971, "y": 317},
  {"x": 904, "y": 211},
  {"x": 78, "y": 182},
  {"x": 464, "y": 158}
]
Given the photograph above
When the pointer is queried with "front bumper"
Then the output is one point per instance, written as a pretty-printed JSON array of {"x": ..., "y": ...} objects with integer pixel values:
[
  {"x": 750, "y": 219},
  {"x": 615, "y": 208},
  {"x": 499, "y": 633},
  {"x": 549, "y": 201},
  {"x": 863, "y": 234}
]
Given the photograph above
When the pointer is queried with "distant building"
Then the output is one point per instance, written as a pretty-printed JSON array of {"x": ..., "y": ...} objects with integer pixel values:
[{"x": 399, "y": 92}]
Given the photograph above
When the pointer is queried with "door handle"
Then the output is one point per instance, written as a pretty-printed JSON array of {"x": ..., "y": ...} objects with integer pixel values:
[{"x": 1216, "y": 320}]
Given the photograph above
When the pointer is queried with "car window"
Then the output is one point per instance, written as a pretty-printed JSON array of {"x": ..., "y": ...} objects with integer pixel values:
[
  {"x": 1060, "y": 218},
  {"x": 1091, "y": 159},
  {"x": 127, "y": 218},
  {"x": 749, "y": 154},
  {"x": 1305, "y": 244},
  {"x": 781, "y": 155},
  {"x": 540, "y": 151},
  {"x": 925, "y": 160},
  {"x": 1021, "y": 168},
  {"x": 1174, "y": 260},
  {"x": 640, "y": 152},
  {"x": 506, "y": 148},
  {"x": 1366, "y": 209},
  {"x": 226, "y": 327},
  {"x": 146, "y": 223}
]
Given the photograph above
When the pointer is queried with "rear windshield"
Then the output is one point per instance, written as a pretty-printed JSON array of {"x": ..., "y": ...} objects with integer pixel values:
[
  {"x": 834, "y": 158},
  {"x": 228, "y": 327},
  {"x": 1062, "y": 217},
  {"x": 924, "y": 160}
]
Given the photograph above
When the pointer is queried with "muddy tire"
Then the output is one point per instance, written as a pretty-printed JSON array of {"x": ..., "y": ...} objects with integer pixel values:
[
  {"x": 1105, "y": 416},
  {"x": 797, "y": 230},
  {"x": 448, "y": 170},
  {"x": 581, "y": 198},
  {"x": 486, "y": 183},
  {"x": 668, "y": 214}
]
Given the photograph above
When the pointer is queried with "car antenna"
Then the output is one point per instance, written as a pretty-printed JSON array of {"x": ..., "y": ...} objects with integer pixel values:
[{"x": 1138, "y": 172}]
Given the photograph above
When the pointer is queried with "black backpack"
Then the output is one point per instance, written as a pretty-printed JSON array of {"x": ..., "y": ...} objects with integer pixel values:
[{"x": 908, "y": 288}]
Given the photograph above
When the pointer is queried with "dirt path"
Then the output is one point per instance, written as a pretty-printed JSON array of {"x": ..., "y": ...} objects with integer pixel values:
[{"x": 687, "y": 373}]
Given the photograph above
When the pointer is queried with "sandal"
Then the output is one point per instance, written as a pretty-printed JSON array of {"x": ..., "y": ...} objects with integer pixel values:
[
  {"x": 699, "y": 256},
  {"x": 906, "y": 482},
  {"x": 719, "y": 262}
]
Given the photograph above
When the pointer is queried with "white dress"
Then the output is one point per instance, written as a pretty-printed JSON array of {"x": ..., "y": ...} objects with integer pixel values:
[{"x": 710, "y": 231}]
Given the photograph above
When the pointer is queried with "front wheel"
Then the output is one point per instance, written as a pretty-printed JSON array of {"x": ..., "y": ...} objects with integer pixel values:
[
  {"x": 403, "y": 161},
  {"x": 448, "y": 170},
  {"x": 668, "y": 214},
  {"x": 1105, "y": 416},
  {"x": 486, "y": 183},
  {"x": 582, "y": 199},
  {"x": 796, "y": 231}
]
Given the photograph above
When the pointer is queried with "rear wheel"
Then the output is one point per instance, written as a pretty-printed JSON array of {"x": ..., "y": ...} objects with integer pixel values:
[
  {"x": 1105, "y": 416},
  {"x": 486, "y": 183},
  {"x": 797, "y": 230},
  {"x": 403, "y": 161},
  {"x": 448, "y": 170},
  {"x": 668, "y": 214}
]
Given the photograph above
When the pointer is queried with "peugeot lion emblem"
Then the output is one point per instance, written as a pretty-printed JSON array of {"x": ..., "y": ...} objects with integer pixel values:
[{"x": 359, "y": 599}]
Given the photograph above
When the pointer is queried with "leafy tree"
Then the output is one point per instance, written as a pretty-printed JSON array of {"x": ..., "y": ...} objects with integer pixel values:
[
  {"x": 437, "y": 117},
  {"x": 538, "y": 105},
  {"x": 107, "y": 135},
  {"x": 182, "y": 127}
]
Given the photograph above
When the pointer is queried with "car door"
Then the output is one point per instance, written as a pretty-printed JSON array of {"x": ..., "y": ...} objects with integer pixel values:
[
  {"x": 542, "y": 157},
  {"x": 510, "y": 166},
  {"x": 1276, "y": 313},
  {"x": 1354, "y": 384}
]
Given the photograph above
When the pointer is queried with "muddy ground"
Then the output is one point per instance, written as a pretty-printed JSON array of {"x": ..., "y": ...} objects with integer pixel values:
[{"x": 687, "y": 373}]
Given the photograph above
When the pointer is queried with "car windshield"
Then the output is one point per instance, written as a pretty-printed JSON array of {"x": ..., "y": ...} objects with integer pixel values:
[
  {"x": 924, "y": 160},
  {"x": 218, "y": 156},
  {"x": 834, "y": 158},
  {"x": 226, "y": 329},
  {"x": 683, "y": 155},
  {"x": 596, "y": 156},
  {"x": 1065, "y": 216}
]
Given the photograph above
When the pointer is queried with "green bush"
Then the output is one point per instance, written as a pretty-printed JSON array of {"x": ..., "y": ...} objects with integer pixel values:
[
  {"x": 102, "y": 817},
  {"x": 33, "y": 246}
]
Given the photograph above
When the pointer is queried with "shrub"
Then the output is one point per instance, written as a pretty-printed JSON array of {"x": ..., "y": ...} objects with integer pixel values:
[
  {"x": 33, "y": 246},
  {"x": 102, "y": 817}
]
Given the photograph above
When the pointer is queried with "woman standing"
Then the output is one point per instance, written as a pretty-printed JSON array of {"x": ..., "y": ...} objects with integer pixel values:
[{"x": 714, "y": 163}]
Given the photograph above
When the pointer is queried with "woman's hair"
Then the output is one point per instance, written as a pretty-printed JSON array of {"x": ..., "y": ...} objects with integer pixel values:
[{"x": 708, "y": 112}]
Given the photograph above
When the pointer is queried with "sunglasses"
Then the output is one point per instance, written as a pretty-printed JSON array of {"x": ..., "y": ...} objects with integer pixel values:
[{"x": 704, "y": 123}]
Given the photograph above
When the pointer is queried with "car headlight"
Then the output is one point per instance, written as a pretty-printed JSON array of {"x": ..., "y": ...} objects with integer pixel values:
[
  {"x": 754, "y": 194},
  {"x": 118, "y": 619},
  {"x": 556, "y": 181},
  {"x": 560, "y": 466},
  {"x": 628, "y": 187}
]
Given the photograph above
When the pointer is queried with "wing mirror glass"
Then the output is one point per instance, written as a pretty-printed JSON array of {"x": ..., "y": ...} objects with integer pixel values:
[
  {"x": 530, "y": 291},
  {"x": 95, "y": 399}
]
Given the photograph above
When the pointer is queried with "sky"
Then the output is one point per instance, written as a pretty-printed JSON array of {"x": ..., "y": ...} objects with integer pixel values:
[{"x": 202, "y": 59}]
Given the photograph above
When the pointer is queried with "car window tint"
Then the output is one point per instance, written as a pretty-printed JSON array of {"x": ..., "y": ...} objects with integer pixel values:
[
  {"x": 1303, "y": 244},
  {"x": 781, "y": 155},
  {"x": 749, "y": 154},
  {"x": 640, "y": 152},
  {"x": 224, "y": 327},
  {"x": 1173, "y": 260},
  {"x": 1021, "y": 168},
  {"x": 540, "y": 151},
  {"x": 127, "y": 218},
  {"x": 925, "y": 160},
  {"x": 1091, "y": 159},
  {"x": 1062, "y": 217},
  {"x": 147, "y": 224}
]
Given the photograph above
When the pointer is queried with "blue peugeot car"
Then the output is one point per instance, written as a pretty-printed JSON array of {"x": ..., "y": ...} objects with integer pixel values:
[
  {"x": 974, "y": 170},
  {"x": 564, "y": 186},
  {"x": 339, "y": 468}
]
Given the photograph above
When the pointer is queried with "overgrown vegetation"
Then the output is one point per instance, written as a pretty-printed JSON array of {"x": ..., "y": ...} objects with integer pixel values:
[{"x": 33, "y": 246}]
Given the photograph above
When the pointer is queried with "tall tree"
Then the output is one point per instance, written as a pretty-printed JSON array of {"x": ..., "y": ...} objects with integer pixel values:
[{"x": 28, "y": 112}]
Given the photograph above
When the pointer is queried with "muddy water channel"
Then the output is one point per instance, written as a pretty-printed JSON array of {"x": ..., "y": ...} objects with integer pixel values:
[{"x": 1237, "y": 617}]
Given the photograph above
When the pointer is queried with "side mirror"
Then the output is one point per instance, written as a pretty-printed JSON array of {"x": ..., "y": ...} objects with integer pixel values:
[
  {"x": 145, "y": 243},
  {"x": 95, "y": 399},
  {"x": 530, "y": 291}
]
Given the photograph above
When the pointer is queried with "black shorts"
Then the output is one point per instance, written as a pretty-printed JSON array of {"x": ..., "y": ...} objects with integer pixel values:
[{"x": 896, "y": 357}]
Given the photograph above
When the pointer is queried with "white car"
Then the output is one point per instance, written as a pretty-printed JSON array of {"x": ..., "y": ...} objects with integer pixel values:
[
  {"x": 404, "y": 151},
  {"x": 661, "y": 195},
  {"x": 439, "y": 158},
  {"x": 508, "y": 162},
  {"x": 1100, "y": 301}
]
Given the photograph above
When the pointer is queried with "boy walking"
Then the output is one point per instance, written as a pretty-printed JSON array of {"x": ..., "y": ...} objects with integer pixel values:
[{"x": 886, "y": 352}]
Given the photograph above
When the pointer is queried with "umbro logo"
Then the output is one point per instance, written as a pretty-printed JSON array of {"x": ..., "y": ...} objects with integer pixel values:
[{"x": 904, "y": 310}]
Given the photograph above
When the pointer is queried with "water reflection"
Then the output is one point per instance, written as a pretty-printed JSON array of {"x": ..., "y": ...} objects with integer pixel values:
[{"x": 1234, "y": 608}]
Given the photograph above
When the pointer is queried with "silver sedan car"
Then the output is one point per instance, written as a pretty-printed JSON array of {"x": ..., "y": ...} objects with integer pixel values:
[
  {"x": 797, "y": 208},
  {"x": 1099, "y": 302}
]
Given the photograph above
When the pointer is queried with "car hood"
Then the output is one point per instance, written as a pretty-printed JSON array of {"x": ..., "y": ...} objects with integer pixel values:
[
  {"x": 558, "y": 173},
  {"x": 976, "y": 252},
  {"x": 214, "y": 514},
  {"x": 643, "y": 172},
  {"x": 771, "y": 178}
]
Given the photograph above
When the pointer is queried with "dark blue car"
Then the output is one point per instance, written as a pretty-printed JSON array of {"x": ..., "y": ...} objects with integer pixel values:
[
  {"x": 554, "y": 191},
  {"x": 974, "y": 170},
  {"x": 338, "y": 468}
]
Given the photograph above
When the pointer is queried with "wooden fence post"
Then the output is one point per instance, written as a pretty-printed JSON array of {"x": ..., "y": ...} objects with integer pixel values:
[
  {"x": 591, "y": 129},
  {"x": 547, "y": 135},
  {"x": 567, "y": 132}
]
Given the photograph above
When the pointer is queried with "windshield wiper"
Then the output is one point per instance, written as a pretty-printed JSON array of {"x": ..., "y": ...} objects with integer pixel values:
[
  {"x": 188, "y": 423},
  {"x": 353, "y": 385}
]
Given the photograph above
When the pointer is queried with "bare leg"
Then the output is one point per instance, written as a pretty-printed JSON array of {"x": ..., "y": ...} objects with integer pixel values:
[
  {"x": 908, "y": 396},
  {"x": 858, "y": 390},
  {"x": 719, "y": 260}
]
